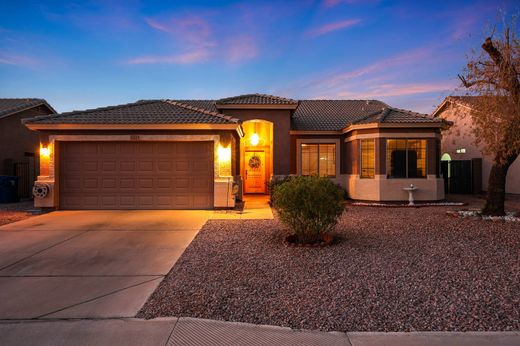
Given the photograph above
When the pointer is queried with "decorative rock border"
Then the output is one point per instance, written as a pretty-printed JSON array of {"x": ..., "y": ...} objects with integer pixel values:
[
  {"x": 416, "y": 205},
  {"x": 475, "y": 214}
]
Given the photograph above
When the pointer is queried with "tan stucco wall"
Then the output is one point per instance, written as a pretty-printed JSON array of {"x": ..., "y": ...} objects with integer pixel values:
[
  {"x": 382, "y": 189},
  {"x": 460, "y": 136}
]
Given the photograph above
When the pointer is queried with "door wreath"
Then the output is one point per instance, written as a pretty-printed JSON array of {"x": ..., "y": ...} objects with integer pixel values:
[{"x": 254, "y": 162}]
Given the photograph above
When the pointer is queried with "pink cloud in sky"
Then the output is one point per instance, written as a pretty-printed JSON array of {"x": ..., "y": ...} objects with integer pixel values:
[
  {"x": 332, "y": 3},
  {"x": 241, "y": 48},
  {"x": 194, "y": 30},
  {"x": 392, "y": 90},
  {"x": 197, "y": 41},
  {"x": 330, "y": 27},
  {"x": 16, "y": 60},
  {"x": 191, "y": 57},
  {"x": 403, "y": 59}
]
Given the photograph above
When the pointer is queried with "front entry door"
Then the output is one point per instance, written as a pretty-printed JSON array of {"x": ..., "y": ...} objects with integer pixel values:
[{"x": 254, "y": 172}]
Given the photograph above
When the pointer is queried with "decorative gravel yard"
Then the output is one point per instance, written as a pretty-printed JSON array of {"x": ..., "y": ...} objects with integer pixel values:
[{"x": 391, "y": 269}]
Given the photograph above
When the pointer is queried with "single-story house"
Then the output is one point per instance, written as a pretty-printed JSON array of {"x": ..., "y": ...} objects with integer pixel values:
[
  {"x": 458, "y": 142},
  {"x": 19, "y": 146},
  {"x": 170, "y": 154}
]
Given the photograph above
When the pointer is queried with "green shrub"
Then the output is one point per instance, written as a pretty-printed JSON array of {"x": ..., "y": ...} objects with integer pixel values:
[
  {"x": 310, "y": 206},
  {"x": 271, "y": 185}
]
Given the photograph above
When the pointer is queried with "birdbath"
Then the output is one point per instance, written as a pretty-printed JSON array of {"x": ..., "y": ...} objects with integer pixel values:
[{"x": 410, "y": 190}]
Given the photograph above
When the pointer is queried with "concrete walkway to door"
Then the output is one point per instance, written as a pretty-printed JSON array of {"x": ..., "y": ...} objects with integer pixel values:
[
  {"x": 255, "y": 207},
  {"x": 89, "y": 264}
]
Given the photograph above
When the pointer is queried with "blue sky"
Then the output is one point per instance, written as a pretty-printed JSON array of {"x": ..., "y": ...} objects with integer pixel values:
[{"x": 89, "y": 54}]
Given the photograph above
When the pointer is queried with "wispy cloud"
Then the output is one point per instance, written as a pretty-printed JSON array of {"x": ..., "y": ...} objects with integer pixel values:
[
  {"x": 241, "y": 48},
  {"x": 17, "y": 60},
  {"x": 397, "y": 89},
  {"x": 332, "y": 3},
  {"x": 336, "y": 79},
  {"x": 330, "y": 27},
  {"x": 192, "y": 57},
  {"x": 197, "y": 42}
]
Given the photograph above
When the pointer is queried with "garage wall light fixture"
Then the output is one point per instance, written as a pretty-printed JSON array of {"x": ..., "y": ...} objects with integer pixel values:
[
  {"x": 224, "y": 160},
  {"x": 45, "y": 152}
]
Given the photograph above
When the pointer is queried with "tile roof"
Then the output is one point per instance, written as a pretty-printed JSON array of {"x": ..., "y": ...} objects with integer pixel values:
[
  {"x": 256, "y": 99},
  {"x": 310, "y": 115},
  {"x": 9, "y": 106},
  {"x": 334, "y": 115},
  {"x": 141, "y": 112}
]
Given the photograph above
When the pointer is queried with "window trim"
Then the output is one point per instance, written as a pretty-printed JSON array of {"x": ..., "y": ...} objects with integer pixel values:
[
  {"x": 388, "y": 176},
  {"x": 335, "y": 141},
  {"x": 373, "y": 140}
]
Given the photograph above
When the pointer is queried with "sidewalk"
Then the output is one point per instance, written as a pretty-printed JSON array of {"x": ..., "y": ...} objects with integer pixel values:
[{"x": 199, "y": 332}]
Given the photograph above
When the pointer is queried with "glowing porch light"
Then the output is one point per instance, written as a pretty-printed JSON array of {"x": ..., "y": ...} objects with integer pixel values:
[
  {"x": 45, "y": 152},
  {"x": 224, "y": 161},
  {"x": 254, "y": 139}
]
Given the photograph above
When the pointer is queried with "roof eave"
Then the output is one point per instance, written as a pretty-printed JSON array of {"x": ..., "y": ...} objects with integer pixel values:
[
  {"x": 392, "y": 125},
  {"x": 194, "y": 126},
  {"x": 314, "y": 132}
]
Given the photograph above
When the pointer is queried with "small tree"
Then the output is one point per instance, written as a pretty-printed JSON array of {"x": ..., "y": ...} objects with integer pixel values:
[
  {"x": 310, "y": 206},
  {"x": 493, "y": 77}
]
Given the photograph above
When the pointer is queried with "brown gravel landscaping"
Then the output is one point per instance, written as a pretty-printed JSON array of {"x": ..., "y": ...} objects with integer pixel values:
[
  {"x": 13, "y": 212},
  {"x": 390, "y": 269},
  {"x": 9, "y": 216}
]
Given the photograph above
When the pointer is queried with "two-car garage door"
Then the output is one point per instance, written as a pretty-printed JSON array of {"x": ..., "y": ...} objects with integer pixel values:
[{"x": 136, "y": 175}]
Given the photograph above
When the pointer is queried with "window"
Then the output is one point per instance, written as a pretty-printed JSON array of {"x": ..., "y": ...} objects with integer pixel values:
[
  {"x": 368, "y": 158},
  {"x": 406, "y": 158},
  {"x": 319, "y": 159}
]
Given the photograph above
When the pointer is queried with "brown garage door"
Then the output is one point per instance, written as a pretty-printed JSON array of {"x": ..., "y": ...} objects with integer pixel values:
[{"x": 136, "y": 175}]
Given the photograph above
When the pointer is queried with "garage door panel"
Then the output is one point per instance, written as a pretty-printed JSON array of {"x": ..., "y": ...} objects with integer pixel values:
[{"x": 136, "y": 175}]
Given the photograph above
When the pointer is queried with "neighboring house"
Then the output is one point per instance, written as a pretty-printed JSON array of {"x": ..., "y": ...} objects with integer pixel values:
[
  {"x": 160, "y": 154},
  {"x": 458, "y": 143},
  {"x": 19, "y": 146}
]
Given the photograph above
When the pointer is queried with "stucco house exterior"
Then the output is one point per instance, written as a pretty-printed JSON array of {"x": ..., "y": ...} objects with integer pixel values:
[
  {"x": 458, "y": 143},
  {"x": 19, "y": 146},
  {"x": 177, "y": 154}
]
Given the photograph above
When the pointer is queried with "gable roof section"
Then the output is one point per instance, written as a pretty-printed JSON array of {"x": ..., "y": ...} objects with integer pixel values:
[
  {"x": 10, "y": 106},
  {"x": 335, "y": 115},
  {"x": 332, "y": 115},
  {"x": 256, "y": 99},
  {"x": 466, "y": 101},
  {"x": 140, "y": 113}
]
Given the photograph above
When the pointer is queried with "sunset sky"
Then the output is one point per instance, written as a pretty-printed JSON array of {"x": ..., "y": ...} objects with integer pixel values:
[{"x": 89, "y": 54}]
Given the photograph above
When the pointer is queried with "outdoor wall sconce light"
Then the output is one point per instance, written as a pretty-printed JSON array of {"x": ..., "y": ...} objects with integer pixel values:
[
  {"x": 254, "y": 139},
  {"x": 45, "y": 151},
  {"x": 224, "y": 160}
]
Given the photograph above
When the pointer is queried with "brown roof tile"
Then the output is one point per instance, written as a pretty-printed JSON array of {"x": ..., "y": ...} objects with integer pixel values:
[
  {"x": 141, "y": 112},
  {"x": 10, "y": 106}
]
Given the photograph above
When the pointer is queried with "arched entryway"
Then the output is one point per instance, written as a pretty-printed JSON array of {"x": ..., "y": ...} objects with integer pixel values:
[{"x": 256, "y": 153}]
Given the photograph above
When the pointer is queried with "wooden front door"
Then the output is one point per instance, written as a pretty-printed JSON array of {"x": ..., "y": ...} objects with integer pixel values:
[{"x": 254, "y": 172}]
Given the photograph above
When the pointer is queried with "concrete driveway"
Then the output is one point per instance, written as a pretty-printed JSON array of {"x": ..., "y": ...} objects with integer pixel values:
[{"x": 89, "y": 264}]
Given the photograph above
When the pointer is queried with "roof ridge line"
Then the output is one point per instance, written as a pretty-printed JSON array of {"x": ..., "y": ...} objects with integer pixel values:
[
  {"x": 90, "y": 110},
  {"x": 205, "y": 111},
  {"x": 368, "y": 116},
  {"x": 280, "y": 98},
  {"x": 423, "y": 115}
]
